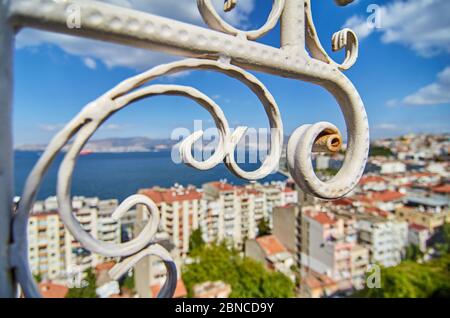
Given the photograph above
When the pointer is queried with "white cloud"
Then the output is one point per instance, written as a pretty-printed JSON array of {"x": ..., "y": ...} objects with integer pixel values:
[
  {"x": 390, "y": 129},
  {"x": 113, "y": 55},
  {"x": 422, "y": 25},
  {"x": 359, "y": 25},
  {"x": 47, "y": 127},
  {"x": 113, "y": 127},
  {"x": 433, "y": 94},
  {"x": 393, "y": 102},
  {"x": 387, "y": 126},
  {"x": 90, "y": 63}
]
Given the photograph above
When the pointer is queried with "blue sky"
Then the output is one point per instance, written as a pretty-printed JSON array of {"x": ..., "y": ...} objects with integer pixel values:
[{"x": 402, "y": 74}]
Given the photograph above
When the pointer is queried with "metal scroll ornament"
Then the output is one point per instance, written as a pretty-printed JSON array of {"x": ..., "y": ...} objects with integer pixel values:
[{"x": 317, "y": 67}]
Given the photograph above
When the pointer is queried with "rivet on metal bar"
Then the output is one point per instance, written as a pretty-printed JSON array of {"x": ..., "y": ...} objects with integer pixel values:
[
  {"x": 328, "y": 141},
  {"x": 229, "y": 5}
]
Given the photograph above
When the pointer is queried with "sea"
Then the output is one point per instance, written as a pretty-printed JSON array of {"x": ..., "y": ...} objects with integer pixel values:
[{"x": 119, "y": 175}]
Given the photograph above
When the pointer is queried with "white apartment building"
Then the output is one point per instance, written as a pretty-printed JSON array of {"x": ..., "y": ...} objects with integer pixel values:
[
  {"x": 329, "y": 248},
  {"x": 233, "y": 213},
  {"x": 181, "y": 210},
  {"x": 392, "y": 167},
  {"x": 418, "y": 235},
  {"x": 288, "y": 196},
  {"x": 224, "y": 212},
  {"x": 323, "y": 244},
  {"x": 53, "y": 251},
  {"x": 385, "y": 239},
  {"x": 46, "y": 244}
]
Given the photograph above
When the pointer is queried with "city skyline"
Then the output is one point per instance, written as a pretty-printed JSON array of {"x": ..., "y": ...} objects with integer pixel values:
[{"x": 394, "y": 217}]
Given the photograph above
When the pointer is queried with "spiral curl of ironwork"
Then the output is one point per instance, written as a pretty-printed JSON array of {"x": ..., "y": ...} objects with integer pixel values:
[
  {"x": 91, "y": 117},
  {"x": 215, "y": 21},
  {"x": 345, "y": 38},
  {"x": 300, "y": 146}
]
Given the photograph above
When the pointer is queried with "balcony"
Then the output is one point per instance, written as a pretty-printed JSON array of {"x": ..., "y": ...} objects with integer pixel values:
[{"x": 221, "y": 48}]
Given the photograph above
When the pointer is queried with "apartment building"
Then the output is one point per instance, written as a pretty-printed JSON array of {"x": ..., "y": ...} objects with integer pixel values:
[
  {"x": 330, "y": 248},
  {"x": 233, "y": 212},
  {"x": 431, "y": 221},
  {"x": 419, "y": 235},
  {"x": 94, "y": 216},
  {"x": 253, "y": 210},
  {"x": 46, "y": 244},
  {"x": 181, "y": 210},
  {"x": 287, "y": 228},
  {"x": 224, "y": 207},
  {"x": 150, "y": 272},
  {"x": 390, "y": 167},
  {"x": 53, "y": 251},
  {"x": 385, "y": 200},
  {"x": 385, "y": 239},
  {"x": 359, "y": 260},
  {"x": 271, "y": 252}
]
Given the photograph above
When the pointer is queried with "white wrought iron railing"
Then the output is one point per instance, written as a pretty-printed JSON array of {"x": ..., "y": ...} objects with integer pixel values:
[{"x": 224, "y": 49}]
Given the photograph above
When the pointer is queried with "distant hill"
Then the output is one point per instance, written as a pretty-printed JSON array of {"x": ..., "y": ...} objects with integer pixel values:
[
  {"x": 136, "y": 144},
  {"x": 131, "y": 144}
]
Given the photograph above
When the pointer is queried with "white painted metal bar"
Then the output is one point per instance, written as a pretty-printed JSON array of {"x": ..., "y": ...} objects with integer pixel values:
[
  {"x": 7, "y": 285},
  {"x": 293, "y": 27},
  {"x": 224, "y": 49},
  {"x": 134, "y": 28}
]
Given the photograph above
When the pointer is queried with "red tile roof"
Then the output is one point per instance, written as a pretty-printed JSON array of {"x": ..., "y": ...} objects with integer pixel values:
[
  {"x": 371, "y": 179},
  {"x": 43, "y": 214},
  {"x": 386, "y": 196},
  {"x": 315, "y": 280},
  {"x": 423, "y": 174},
  {"x": 417, "y": 227},
  {"x": 244, "y": 191},
  {"x": 222, "y": 186},
  {"x": 442, "y": 189},
  {"x": 271, "y": 245},
  {"x": 171, "y": 195},
  {"x": 321, "y": 217},
  {"x": 50, "y": 290},
  {"x": 342, "y": 201},
  {"x": 180, "y": 290}
]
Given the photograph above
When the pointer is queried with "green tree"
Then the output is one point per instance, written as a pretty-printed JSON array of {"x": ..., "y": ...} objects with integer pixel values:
[
  {"x": 263, "y": 227},
  {"x": 413, "y": 253},
  {"x": 379, "y": 151},
  {"x": 196, "y": 240},
  {"x": 127, "y": 282},
  {"x": 444, "y": 245},
  {"x": 413, "y": 280},
  {"x": 85, "y": 292},
  {"x": 247, "y": 277},
  {"x": 38, "y": 278}
]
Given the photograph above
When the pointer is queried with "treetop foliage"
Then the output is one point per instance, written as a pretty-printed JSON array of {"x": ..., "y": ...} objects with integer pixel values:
[{"x": 247, "y": 277}]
